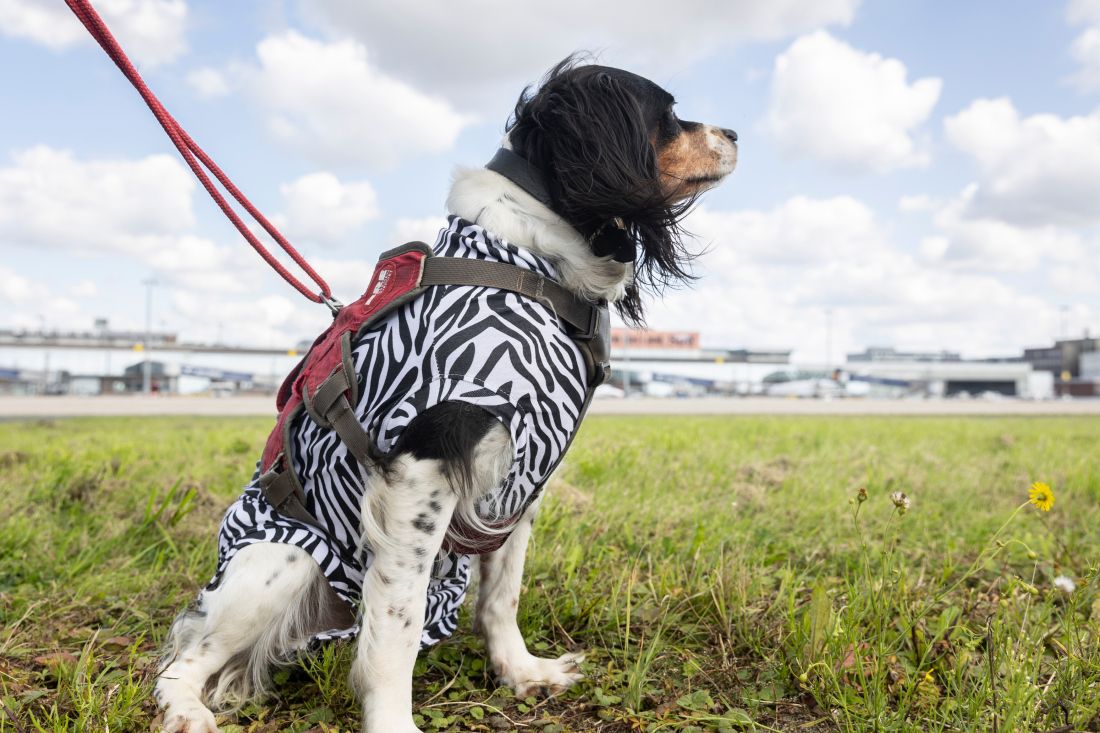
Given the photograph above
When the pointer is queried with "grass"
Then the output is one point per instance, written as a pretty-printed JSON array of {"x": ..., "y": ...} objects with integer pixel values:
[{"x": 713, "y": 569}]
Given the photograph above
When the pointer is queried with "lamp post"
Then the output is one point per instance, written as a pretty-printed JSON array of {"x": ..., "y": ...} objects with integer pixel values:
[{"x": 147, "y": 367}]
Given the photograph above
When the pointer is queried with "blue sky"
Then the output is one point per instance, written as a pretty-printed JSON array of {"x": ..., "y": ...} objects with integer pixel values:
[{"x": 927, "y": 170}]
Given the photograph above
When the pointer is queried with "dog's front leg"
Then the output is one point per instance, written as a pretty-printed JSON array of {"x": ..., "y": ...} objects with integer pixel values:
[
  {"x": 500, "y": 582},
  {"x": 405, "y": 516}
]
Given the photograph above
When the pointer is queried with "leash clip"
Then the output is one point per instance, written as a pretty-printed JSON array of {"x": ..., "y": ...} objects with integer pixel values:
[{"x": 333, "y": 304}]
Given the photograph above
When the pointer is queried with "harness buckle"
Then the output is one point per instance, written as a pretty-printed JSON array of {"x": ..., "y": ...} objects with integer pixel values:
[{"x": 333, "y": 304}]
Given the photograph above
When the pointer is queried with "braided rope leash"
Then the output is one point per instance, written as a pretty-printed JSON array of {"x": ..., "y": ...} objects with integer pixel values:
[{"x": 193, "y": 155}]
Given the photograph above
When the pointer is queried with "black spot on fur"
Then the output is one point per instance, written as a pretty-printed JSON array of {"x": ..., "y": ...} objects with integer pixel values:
[
  {"x": 384, "y": 579},
  {"x": 435, "y": 506},
  {"x": 292, "y": 557},
  {"x": 408, "y": 622},
  {"x": 272, "y": 578},
  {"x": 424, "y": 524},
  {"x": 420, "y": 551},
  {"x": 419, "y": 568}
]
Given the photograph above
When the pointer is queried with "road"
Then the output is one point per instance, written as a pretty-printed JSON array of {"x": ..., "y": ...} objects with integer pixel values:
[{"x": 60, "y": 407}]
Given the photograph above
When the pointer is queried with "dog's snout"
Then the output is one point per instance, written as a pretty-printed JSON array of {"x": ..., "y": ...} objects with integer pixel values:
[{"x": 729, "y": 133}]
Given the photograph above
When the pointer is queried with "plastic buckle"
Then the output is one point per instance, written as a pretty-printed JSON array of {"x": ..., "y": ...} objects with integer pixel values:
[{"x": 593, "y": 323}]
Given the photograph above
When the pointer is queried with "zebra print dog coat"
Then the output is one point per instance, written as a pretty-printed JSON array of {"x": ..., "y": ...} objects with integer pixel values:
[{"x": 500, "y": 351}]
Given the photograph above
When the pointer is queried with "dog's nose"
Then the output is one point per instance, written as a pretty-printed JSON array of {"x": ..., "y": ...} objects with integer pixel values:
[{"x": 729, "y": 133}]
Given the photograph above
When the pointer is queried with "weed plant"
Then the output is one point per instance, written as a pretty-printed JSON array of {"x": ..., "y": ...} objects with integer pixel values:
[{"x": 720, "y": 573}]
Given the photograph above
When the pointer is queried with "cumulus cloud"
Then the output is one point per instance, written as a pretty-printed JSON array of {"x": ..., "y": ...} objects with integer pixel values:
[
  {"x": 986, "y": 243},
  {"x": 417, "y": 230},
  {"x": 270, "y": 320},
  {"x": 17, "y": 289},
  {"x": 763, "y": 279},
  {"x": 801, "y": 230},
  {"x": 326, "y": 101},
  {"x": 854, "y": 112},
  {"x": 84, "y": 289},
  {"x": 152, "y": 32},
  {"x": 140, "y": 209},
  {"x": 208, "y": 83},
  {"x": 49, "y": 198},
  {"x": 320, "y": 208},
  {"x": 1085, "y": 49},
  {"x": 464, "y": 44},
  {"x": 1035, "y": 171}
]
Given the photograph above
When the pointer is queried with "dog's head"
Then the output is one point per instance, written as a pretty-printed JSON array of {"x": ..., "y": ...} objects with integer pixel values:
[{"x": 620, "y": 166}]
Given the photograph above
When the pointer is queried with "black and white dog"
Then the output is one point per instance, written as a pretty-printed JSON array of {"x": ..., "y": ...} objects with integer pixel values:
[{"x": 470, "y": 396}]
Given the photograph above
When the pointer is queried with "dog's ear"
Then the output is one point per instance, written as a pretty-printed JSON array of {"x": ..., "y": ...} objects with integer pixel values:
[{"x": 589, "y": 129}]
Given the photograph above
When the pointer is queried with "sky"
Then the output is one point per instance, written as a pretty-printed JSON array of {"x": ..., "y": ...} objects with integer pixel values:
[{"x": 926, "y": 172}]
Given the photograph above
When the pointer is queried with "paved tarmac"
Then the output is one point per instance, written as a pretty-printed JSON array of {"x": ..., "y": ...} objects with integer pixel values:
[{"x": 16, "y": 408}]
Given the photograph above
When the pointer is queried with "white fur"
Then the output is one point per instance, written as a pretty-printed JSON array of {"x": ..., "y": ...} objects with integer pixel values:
[
  {"x": 501, "y": 579},
  {"x": 270, "y": 601},
  {"x": 490, "y": 200}
]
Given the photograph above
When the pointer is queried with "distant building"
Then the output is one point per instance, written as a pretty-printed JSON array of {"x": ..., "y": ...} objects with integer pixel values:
[
  {"x": 627, "y": 337},
  {"x": 889, "y": 353},
  {"x": 1064, "y": 356}
]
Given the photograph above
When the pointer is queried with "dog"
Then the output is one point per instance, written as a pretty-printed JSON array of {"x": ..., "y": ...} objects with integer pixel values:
[{"x": 470, "y": 396}]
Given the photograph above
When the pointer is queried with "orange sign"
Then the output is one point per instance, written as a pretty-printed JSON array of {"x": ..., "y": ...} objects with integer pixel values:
[{"x": 621, "y": 337}]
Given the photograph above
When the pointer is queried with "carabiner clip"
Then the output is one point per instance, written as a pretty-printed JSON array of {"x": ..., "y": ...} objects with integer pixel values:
[{"x": 333, "y": 304}]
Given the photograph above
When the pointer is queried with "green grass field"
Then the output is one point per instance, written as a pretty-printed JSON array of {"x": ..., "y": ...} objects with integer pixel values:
[{"x": 712, "y": 568}]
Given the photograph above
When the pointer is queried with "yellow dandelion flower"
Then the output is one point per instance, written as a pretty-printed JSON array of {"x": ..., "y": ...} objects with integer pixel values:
[{"x": 1041, "y": 496}]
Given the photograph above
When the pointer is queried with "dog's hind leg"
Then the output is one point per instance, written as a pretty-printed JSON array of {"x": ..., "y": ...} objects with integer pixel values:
[
  {"x": 405, "y": 517},
  {"x": 501, "y": 578},
  {"x": 271, "y": 599}
]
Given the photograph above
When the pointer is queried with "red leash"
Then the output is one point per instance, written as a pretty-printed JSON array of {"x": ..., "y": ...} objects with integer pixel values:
[{"x": 190, "y": 151}]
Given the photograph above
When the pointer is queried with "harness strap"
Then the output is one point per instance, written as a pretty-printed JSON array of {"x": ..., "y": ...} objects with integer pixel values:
[
  {"x": 329, "y": 406},
  {"x": 577, "y": 313},
  {"x": 281, "y": 492}
]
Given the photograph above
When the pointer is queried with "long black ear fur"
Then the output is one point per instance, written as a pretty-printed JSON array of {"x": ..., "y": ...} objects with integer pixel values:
[{"x": 587, "y": 130}]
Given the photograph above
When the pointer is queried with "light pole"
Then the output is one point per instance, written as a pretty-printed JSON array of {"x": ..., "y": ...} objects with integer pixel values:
[
  {"x": 147, "y": 367},
  {"x": 829, "y": 340}
]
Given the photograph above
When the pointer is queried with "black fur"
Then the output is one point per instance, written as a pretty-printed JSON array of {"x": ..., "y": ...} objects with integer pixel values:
[
  {"x": 591, "y": 130},
  {"x": 448, "y": 432}
]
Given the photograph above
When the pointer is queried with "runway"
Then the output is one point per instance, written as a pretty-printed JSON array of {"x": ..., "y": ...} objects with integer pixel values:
[{"x": 15, "y": 408}]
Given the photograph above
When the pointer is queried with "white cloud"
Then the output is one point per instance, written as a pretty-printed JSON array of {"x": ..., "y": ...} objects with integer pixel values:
[
  {"x": 84, "y": 289},
  {"x": 140, "y": 209},
  {"x": 852, "y": 111},
  {"x": 208, "y": 83},
  {"x": 347, "y": 278},
  {"x": 985, "y": 243},
  {"x": 766, "y": 277},
  {"x": 151, "y": 32},
  {"x": 417, "y": 230},
  {"x": 326, "y": 101},
  {"x": 918, "y": 202},
  {"x": 1085, "y": 49},
  {"x": 798, "y": 232},
  {"x": 49, "y": 198},
  {"x": 1035, "y": 171},
  {"x": 271, "y": 320},
  {"x": 462, "y": 45},
  {"x": 321, "y": 208},
  {"x": 17, "y": 289},
  {"x": 1074, "y": 279}
]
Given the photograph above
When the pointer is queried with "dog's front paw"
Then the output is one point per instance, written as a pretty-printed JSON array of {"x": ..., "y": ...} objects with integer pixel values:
[
  {"x": 195, "y": 719},
  {"x": 532, "y": 676}
]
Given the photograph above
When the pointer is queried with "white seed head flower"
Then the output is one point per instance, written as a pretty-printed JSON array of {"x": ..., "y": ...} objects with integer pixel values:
[
  {"x": 901, "y": 501},
  {"x": 1064, "y": 583}
]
